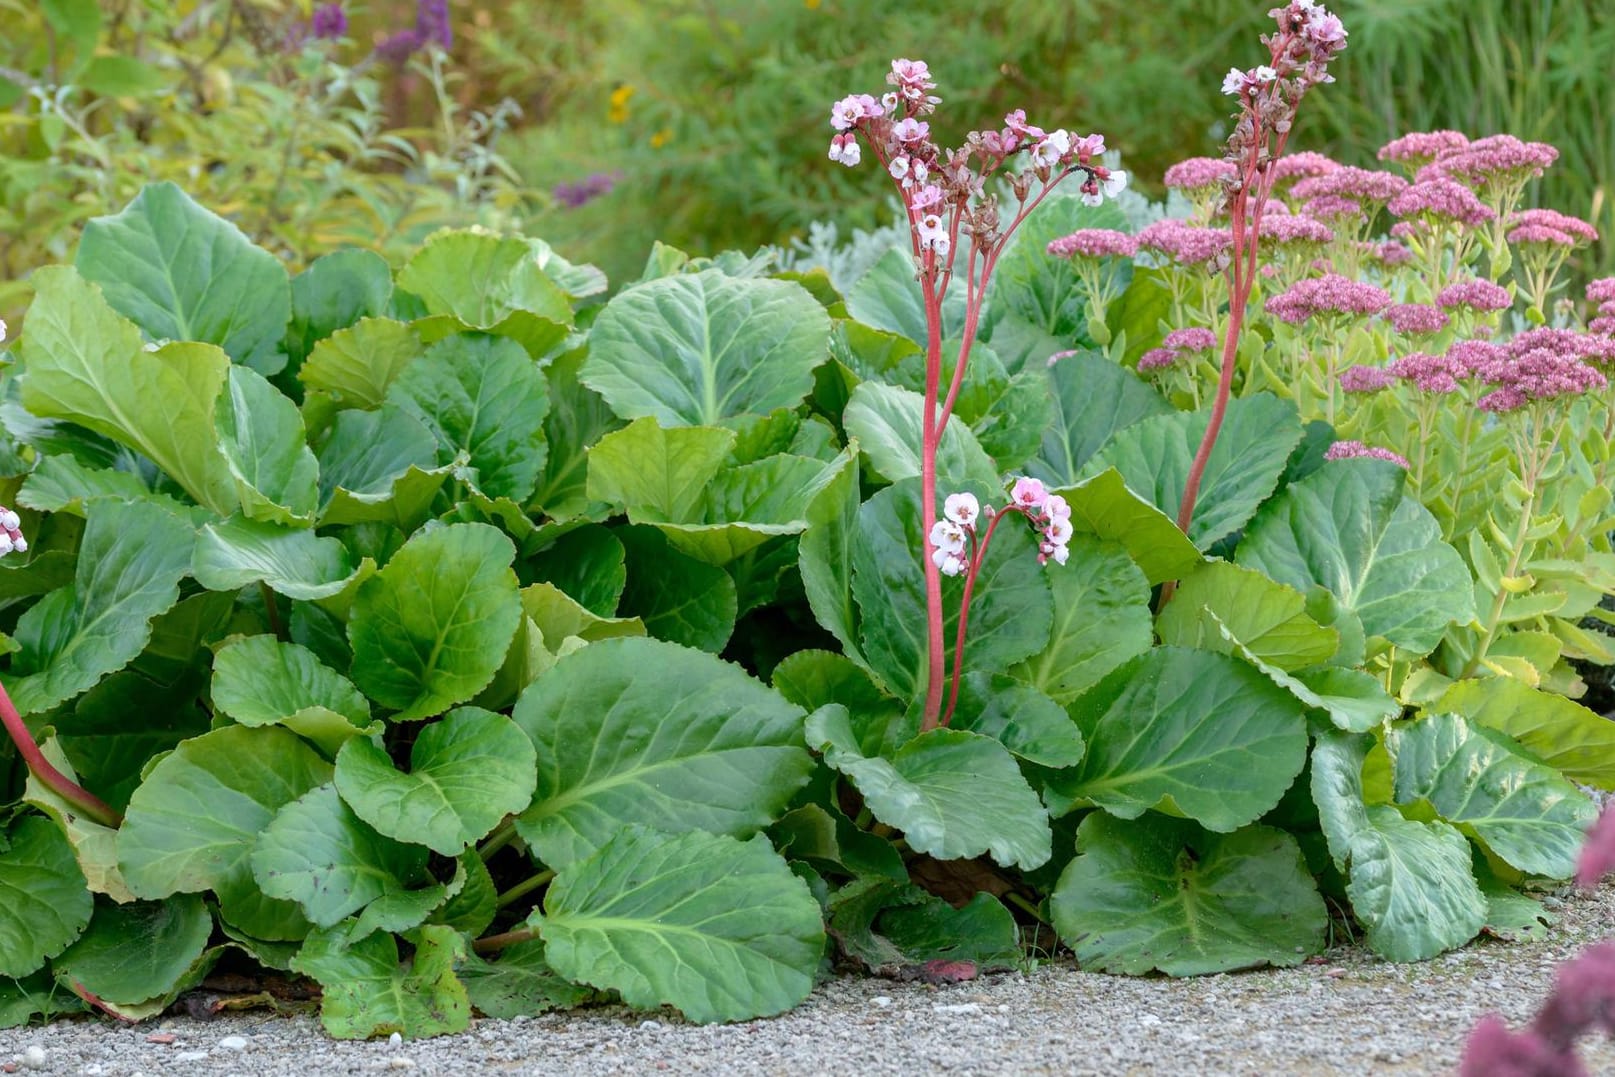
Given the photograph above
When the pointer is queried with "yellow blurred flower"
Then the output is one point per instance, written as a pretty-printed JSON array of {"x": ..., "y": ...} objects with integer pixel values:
[
  {"x": 661, "y": 138},
  {"x": 618, "y": 112}
]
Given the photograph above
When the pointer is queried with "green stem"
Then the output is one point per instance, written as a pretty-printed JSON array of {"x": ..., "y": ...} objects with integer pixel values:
[
  {"x": 525, "y": 887},
  {"x": 273, "y": 610},
  {"x": 1025, "y": 906},
  {"x": 502, "y": 836},
  {"x": 494, "y": 943}
]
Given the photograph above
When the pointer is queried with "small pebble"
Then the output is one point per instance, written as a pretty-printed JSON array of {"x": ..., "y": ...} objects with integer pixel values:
[
  {"x": 234, "y": 1043},
  {"x": 1149, "y": 1020},
  {"x": 396, "y": 1040},
  {"x": 650, "y": 1026},
  {"x": 963, "y": 1007},
  {"x": 162, "y": 1037},
  {"x": 400, "y": 1062},
  {"x": 1335, "y": 973},
  {"x": 34, "y": 1057},
  {"x": 880, "y": 1000},
  {"x": 190, "y": 1056}
]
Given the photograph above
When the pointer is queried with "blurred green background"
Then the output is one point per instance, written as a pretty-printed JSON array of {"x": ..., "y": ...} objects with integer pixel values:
[{"x": 703, "y": 123}]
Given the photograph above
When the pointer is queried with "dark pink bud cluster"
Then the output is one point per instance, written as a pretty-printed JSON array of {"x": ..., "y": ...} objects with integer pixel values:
[
  {"x": 1422, "y": 147},
  {"x": 1443, "y": 198},
  {"x": 1179, "y": 343},
  {"x": 1366, "y": 379},
  {"x": 1470, "y": 355},
  {"x": 1589, "y": 348},
  {"x": 1185, "y": 243},
  {"x": 1416, "y": 319},
  {"x": 1287, "y": 228},
  {"x": 1328, "y": 294},
  {"x": 1598, "y": 853},
  {"x": 1539, "y": 374},
  {"x": 1199, "y": 175},
  {"x": 1390, "y": 253},
  {"x": 1430, "y": 373},
  {"x": 1296, "y": 166},
  {"x": 1334, "y": 208},
  {"x": 1550, "y": 228},
  {"x": 1356, "y": 450},
  {"x": 1475, "y": 294},
  {"x": 1493, "y": 161},
  {"x": 1601, "y": 290},
  {"x": 1358, "y": 184},
  {"x": 1583, "y": 1000},
  {"x": 1094, "y": 243}
]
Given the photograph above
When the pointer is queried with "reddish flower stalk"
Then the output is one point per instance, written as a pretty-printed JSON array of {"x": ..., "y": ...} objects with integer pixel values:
[
  {"x": 1307, "y": 39},
  {"x": 82, "y": 800}
]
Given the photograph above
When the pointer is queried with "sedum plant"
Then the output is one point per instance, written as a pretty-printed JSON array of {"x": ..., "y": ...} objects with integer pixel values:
[{"x": 462, "y": 640}]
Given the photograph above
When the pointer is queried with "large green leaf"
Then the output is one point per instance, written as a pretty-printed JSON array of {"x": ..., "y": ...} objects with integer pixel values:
[
  {"x": 1027, "y": 722},
  {"x": 366, "y": 992},
  {"x": 1045, "y": 290},
  {"x": 1159, "y": 893},
  {"x": 1267, "y": 618},
  {"x": 1348, "y": 527},
  {"x": 678, "y": 598},
  {"x": 1410, "y": 883},
  {"x": 578, "y": 418},
  {"x": 84, "y": 363},
  {"x": 468, "y": 770},
  {"x": 489, "y": 282},
  {"x": 1154, "y": 456},
  {"x": 1194, "y": 732},
  {"x": 64, "y": 484},
  {"x": 182, "y": 273},
  {"x": 700, "y": 347},
  {"x": 1524, "y": 811},
  {"x": 357, "y": 364},
  {"x": 131, "y": 560},
  {"x": 431, "y": 628},
  {"x": 1010, "y": 613},
  {"x": 1094, "y": 398},
  {"x": 136, "y": 953},
  {"x": 634, "y": 729},
  {"x": 261, "y": 680},
  {"x": 953, "y": 794},
  {"x": 824, "y": 560},
  {"x": 887, "y": 421},
  {"x": 232, "y": 553},
  {"x": 378, "y": 465},
  {"x": 335, "y": 292},
  {"x": 1105, "y": 507},
  {"x": 262, "y": 437},
  {"x": 520, "y": 983},
  {"x": 888, "y": 297},
  {"x": 673, "y": 479},
  {"x": 192, "y": 824},
  {"x": 485, "y": 401},
  {"x": 45, "y": 902},
  {"x": 718, "y": 928},
  {"x": 1101, "y": 619},
  {"x": 810, "y": 679},
  {"x": 1562, "y": 733},
  {"x": 318, "y": 853}
]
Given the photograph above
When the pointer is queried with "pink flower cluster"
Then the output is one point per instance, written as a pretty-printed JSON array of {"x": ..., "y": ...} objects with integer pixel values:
[
  {"x": 1550, "y": 228},
  {"x": 1475, "y": 294},
  {"x": 1539, "y": 374},
  {"x": 1049, "y": 513},
  {"x": 1178, "y": 344},
  {"x": 1185, "y": 243},
  {"x": 1431, "y": 373},
  {"x": 1199, "y": 175},
  {"x": 1441, "y": 198},
  {"x": 1353, "y": 450},
  {"x": 1602, "y": 292},
  {"x": 1357, "y": 184},
  {"x": 1335, "y": 208},
  {"x": 1094, "y": 243},
  {"x": 1583, "y": 1000},
  {"x": 1389, "y": 253},
  {"x": 1296, "y": 166},
  {"x": 1285, "y": 228},
  {"x": 1416, "y": 319},
  {"x": 1498, "y": 160},
  {"x": 1422, "y": 147},
  {"x": 1328, "y": 294},
  {"x": 1366, "y": 379},
  {"x": 11, "y": 532}
]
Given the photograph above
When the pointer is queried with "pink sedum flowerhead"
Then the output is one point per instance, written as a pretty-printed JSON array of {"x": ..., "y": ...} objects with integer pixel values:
[
  {"x": 1094, "y": 243},
  {"x": 1577, "y": 229},
  {"x": 1416, "y": 319},
  {"x": 1601, "y": 290},
  {"x": 1198, "y": 174},
  {"x": 1192, "y": 339},
  {"x": 1353, "y": 450},
  {"x": 1358, "y": 184},
  {"x": 1298, "y": 166},
  {"x": 1422, "y": 147},
  {"x": 1325, "y": 295},
  {"x": 1598, "y": 853},
  {"x": 1441, "y": 198},
  {"x": 1185, "y": 243},
  {"x": 1158, "y": 359},
  {"x": 1286, "y": 229},
  {"x": 1475, "y": 294},
  {"x": 1366, "y": 379},
  {"x": 1430, "y": 373}
]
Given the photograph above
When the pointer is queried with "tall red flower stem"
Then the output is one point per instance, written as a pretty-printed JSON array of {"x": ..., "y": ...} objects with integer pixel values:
[
  {"x": 978, "y": 554},
  {"x": 80, "y": 799}
]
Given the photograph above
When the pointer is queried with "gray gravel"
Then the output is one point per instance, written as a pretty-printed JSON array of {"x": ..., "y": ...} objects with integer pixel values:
[{"x": 1350, "y": 1014}]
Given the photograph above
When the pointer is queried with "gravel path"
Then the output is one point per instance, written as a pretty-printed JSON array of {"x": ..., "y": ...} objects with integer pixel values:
[{"x": 1351, "y": 1014}]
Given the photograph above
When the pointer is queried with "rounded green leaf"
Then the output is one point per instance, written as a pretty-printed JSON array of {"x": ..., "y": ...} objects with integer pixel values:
[
  {"x": 1027, "y": 722},
  {"x": 1524, "y": 811},
  {"x": 1348, "y": 527},
  {"x": 1411, "y": 886},
  {"x": 44, "y": 903},
  {"x": 1576, "y": 741},
  {"x": 260, "y": 680},
  {"x": 887, "y": 423},
  {"x": 632, "y": 729},
  {"x": 366, "y": 992},
  {"x": 468, "y": 770},
  {"x": 519, "y": 983},
  {"x": 137, "y": 952},
  {"x": 485, "y": 400},
  {"x": 481, "y": 280},
  {"x": 718, "y": 928},
  {"x": 318, "y": 853},
  {"x": 294, "y": 561},
  {"x": 954, "y": 794},
  {"x": 378, "y": 465},
  {"x": 1104, "y": 506},
  {"x": 1190, "y": 731},
  {"x": 1094, "y": 398},
  {"x": 1154, "y": 456},
  {"x": 1267, "y": 618},
  {"x": 693, "y": 349},
  {"x": 357, "y": 364},
  {"x": 183, "y": 273},
  {"x": 262, "y": 437},
  {"x": 131, "y": 560},
  {"x": 431, "y": 628},
  {"x": 888, "y": 297},
  {"x": 678, "y": 598},
  {"x": 1101, "y": 619},
  {"x": 1160, "y": 893},
  {"x": 193, "y": 822}
]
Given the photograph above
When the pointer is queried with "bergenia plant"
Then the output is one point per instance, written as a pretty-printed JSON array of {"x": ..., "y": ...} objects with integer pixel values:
[{"x": 951, "y": 211}]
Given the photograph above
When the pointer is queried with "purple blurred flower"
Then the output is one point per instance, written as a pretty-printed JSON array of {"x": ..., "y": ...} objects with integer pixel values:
[
  {"x": 329, "y": 22},
  {"x": 592, "y": 186}
]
